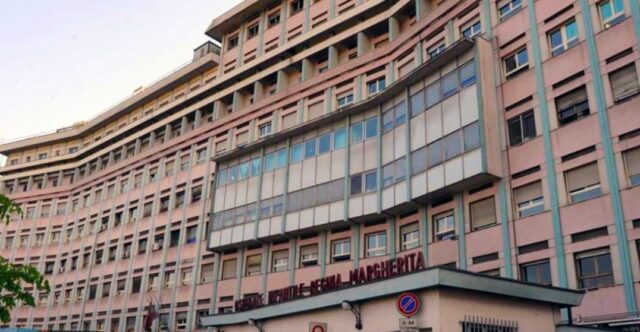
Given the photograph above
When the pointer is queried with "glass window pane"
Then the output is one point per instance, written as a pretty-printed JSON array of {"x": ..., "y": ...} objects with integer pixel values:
[
  {"x": 572, "y": 30},
  {"x": 528, "y": 125},
  {"x": 468, "y": 74},
  {"x": 605, "y": 11},
  {"x": 419, "y": 161},
  {"x": 324, "y": 143},
  {"x": 587, "y": 267},
  {"x": 471, "y": 137},
  {"x": 387, "y": 175},
  {"x": 296, "y": 153},
  {"x": 555, "y": 38},
  {"x": 269, "y": 161},
  {"x": 453, "y": 148},
  {"x": 434, "y": 153},
  {"x": 222, "y": 177},
  {"x": 433, "y": 94},
  {"x": 356, "y": 132},
  {"x": 371, "y": 181},
  {"x": 340, "y": 138},
  {"x": 523, "y": 57},
  {"x": 417, "y": 103},
  {"x": 255, "y": 167},
  {"x": 243, "y": 171},
  {"x": 372, "y": 127},
  {"x": 281, "y": 158},
  {"x": 387, "y": 120},
  {"x": 450, "y": 84},
  {"x": 310, "y": 148},
  {"x": 618, "y": 6},
  {"x": 401, "y": 113},
  {"x": 356, "y": 184},
  {"x": 401, "y": 169}
]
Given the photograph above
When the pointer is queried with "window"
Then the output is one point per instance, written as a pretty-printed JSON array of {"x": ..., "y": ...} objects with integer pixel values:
[
  {"x": 434, "y": 153},
  {"x": 324, "y": 143},
  {"x": 611, "y": 12},
  {"x": 357, "y": 134},
  {"x": 450, "y": 84},
  {"x": 376, "y": 244},
  {"x": 468, "y": 74},
  {"x": 444, "y": 226},
  {"x": 252, "y": 31},
  {"x": 452, "y": 145},
  {"x": 471, "y": 29},
  {"x": 471, "y": 137},
  {"x": 418, "y": 161},
  {"x": 265, "y": 129},
  {"x": 410, "y": 236},
  {"x": 371, "y": 181},
  {"x": 624, "y": 82},
  {"x": 376, "y": 86},
  {"x": 356, "y": 184},
  {"x": 296, "y": 6},
  {"x": 433, "y": 94},
  {"x": 281, "y": 158},
  {"x": 254, "y": 263},
  {"x": 508, "y": 8},
  {"x": 340, "y": 138},
  {"x": 229, "y": 269},
  {"x": 233, "y": 42},
  {"x": 387, "y": 121},
  {"x": 572, "y": 105},
  {"x": 436, "y": 50},
  {"x": 529, "y": 199},
  {"x": 296, "y": 153},
  {"x": 310, "y": 148},
  {"x": 371, "y": 128},
  {"x": 341, "y": 250},
  {"x": 309, "y": 255},
  {"x": 536, "y": 272},
  {"x": 483, "y": 213},
  {"x": 516, "y": 62},
  {"x": 594, "y": 268},
  {"x": 280, "y": 261},
  {"x": 632, "y": 163},
  {"x": 521, "y": 128},
  {"x": 345, "y": 100},
  {"x": 583, "y": 183},
  {"x": 563, "y": 38},
  {"x": 274, "y": 19},
  {"x": 387, "y": 175}
]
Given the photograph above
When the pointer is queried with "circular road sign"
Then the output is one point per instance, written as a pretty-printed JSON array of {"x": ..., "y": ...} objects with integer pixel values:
[
  {"x": 318, "y": 328},
  {"x": 408, "y": 304}
]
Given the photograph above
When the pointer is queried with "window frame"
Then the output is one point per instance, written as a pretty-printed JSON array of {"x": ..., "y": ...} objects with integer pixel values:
[
  {"x": 409, "y": 229},
  {"x": 591, "y": 254},
  {"x": 565, "y": 42},
  {"x": 344, "y": 255},
  {"x": 616, "y": 16},
  {"x": 376, "y": 251},
  {"x": 509, "y": 74},
  {"x": 448, "y": 233}
]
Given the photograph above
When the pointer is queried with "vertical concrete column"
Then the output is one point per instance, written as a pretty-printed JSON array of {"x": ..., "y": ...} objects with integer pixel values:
[
  {"x": 167, "y": 132},
  {"x": 2, "y": 187},
  {"x": 252, "y": 131},
  {"x": 60, "y": 178},
  {"x": 284, "y": 12},
  {"x": 216, "y": 110},
  {"x": 356, "y": 245},
  {"x": 30, "y": 183},
  {"x": 15, "y": 185},
  {"x": 332, "y": 9},
  {"x": 461, "y": 231},
  {"x": 363, "y": 43},
  {"x": 282, "y": 81},
  {"x": 357, "y": 96},
  {"x": 241, "y": 38},
  {"x": 152, "y": 139},
  {"x": 450, "y": 35},
  {"x": 332, "y": 58},
  {"x": 258, "y": 91},
  {"x": 238, "y": 101},
  {"x": 183, "y": 125},
  {"x": 76, "y": 174},
  {"x": 394, "y": 28},
  {"x": 322, "y": 253},
  {"x": 197, "y": 122},
  {"x": 306, "y": 25},
  {"x": 262, "y": 25},
  {"x": 391, "y": 239},
  {"x": 419, "y": 55},
  {"x": 328, "y": 100},
  {"x": 264, "y": 268},
  {"x": 424, "y": 233},
  {"x": 423, "y": 7},
  {"x": 138, "y": 145},
  {"x": 293, "y": 249},
  {"x": 307, "y": 69}
]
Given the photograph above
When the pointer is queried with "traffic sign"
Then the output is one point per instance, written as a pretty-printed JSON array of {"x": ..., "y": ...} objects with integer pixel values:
[
  {"x": 408, "y": 304},
  {"x": 317, "y": 327}
]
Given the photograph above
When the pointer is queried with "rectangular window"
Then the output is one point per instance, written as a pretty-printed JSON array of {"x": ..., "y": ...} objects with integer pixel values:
[
  {"x": 400, "y": 169},
  {"x": 281, "y": 158},
  {"x": 296, "y": 6},
  {"x": 624, "y": 82},
  {"x": 594, "y": 269},
  {"x": 310, "y": 148},
  {"x": 436, "y": 49},
  {"x": 357, "y": 134},
  {"x": 410, "y": 236},
  {"x": 419, "y": 161},
  {"x": 265, "y": 129},
  {"x": 508, "y": 8},
  {"x": 471, "y": 137},
  {"x": 434, "y": 153},
  {"x": 355, "y": 185},
  {"x": 521, "y": 128},
  {"x": 468, "y": 74},
  {"x": 280, "y": 261},
  {"x": 324, "y": 143},
  {"x": 471, "y": 29},
  {"x": 274, "y": 19},
  {"x": 529, "y": 199},
  {"x": 387, "y": 175},
  {"x": 444, "y": 226},
  {"x": 387, "y": 121},
  {"x": 371, "y": 127},
  {"x": 400, "y": 114},
  {"x": 371, "y": 181},
  {"x": 254, "y": 263},
  {"x": 345, "y": 100},
  {"x": 376, "y": 244},
  {"x": 376, "y": 86},
  {"x": 449, "y": 84},
  {"x": 611, "y": 12},
  {"x": 296, "y": 153},
  {"x": 340, "y": 138},
  {"x": 583, "y": 182},
  {"x": 632, "y": 164},
  {"x": 516, "y": 62},
  {"x": 536, "y": 272},
  {"x": 341, "y": 250},
  {"x": 452, "y": 145},
  {"x": 483, "y": 213},
  {"x": 229, "y": 269},
  {"x": 252, "y": 31},
  {"x": 233, "y": 42},
  {"x": 309, "y": 255},
  {"x": 572, "y": 105},
  {"x": 433, "y": 94},
  {"x": 563, "y": 38}
]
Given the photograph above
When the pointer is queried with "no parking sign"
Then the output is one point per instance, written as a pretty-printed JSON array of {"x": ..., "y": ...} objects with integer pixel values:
[{"x": 408, "y": 304}]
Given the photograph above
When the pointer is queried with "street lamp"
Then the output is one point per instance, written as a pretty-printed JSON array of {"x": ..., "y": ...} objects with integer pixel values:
[{"x": 348, "y": 305}]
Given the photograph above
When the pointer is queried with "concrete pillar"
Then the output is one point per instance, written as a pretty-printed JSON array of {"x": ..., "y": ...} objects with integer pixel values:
[
  {"x": 197, "y": 122},
  {"x": 449, "y": 36},
  {"x": 332, "y": 58},
  {"x": 394, "y": 28},
  {"x": 238, "y": 101},
  {"x": 282, "y": 81},
  {"x": 167, "y": 132},
  {"x": 391, "y": 239},
  {"x": 137, "y": 147},
  {"x": 152, "y": 139},
  {"x": 307, "y": 69},
  {"x": 183, "y": 125},
  {"x": 306, "y": 25},
  {"x": 258, "y": 91},
  {"x": 284, "y": 11},
  {"x": 262, "y": 25},
  {"x": 30, "y": 183},
  {"x": 364, "y": 43},
  {"x": 423, "y": 7}
]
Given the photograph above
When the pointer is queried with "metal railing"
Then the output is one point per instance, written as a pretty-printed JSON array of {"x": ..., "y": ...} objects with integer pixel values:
[{"x": 484, "y": 324}]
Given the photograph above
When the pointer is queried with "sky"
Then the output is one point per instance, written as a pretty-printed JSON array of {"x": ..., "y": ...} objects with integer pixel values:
[{"x": 64, "y": 61}]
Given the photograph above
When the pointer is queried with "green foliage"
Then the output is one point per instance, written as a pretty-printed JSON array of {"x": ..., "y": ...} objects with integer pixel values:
[{"x": 14, "y": 276}]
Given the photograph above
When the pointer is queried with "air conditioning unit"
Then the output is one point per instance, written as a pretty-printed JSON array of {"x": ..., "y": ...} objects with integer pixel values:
[{"x": 156, "y": 247}]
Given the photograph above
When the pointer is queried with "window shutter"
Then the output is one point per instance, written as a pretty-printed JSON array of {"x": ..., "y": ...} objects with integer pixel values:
[
  {"x": 242, "y": 138},
  {"x": 289, "y": 120},
  {"x": 528, "y": 192},
  {"x": 582, "y": 177},
  {"x": 632, "y": 158},
  {"x": 229, "y": 269},
  {"x": 309, "y": 250},
  {"x": 483, "y": 213},
  {"x": 624, "y": 82},
  {"x": 281, "y": 254},
  {"x": 570, "y": 99},
  {"x": 405, "y": 69},
  {"x": 316, "y": 110}
]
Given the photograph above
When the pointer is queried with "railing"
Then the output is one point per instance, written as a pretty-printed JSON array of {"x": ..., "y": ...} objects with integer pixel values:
[{"x": 483, "y": 324}]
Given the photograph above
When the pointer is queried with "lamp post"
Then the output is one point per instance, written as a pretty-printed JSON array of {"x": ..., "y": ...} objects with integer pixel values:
[{"x": 348, "y": 305}]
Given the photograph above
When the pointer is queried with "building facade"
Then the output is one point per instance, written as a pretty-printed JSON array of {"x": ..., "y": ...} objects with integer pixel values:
[{"x": 324, "y": 135}]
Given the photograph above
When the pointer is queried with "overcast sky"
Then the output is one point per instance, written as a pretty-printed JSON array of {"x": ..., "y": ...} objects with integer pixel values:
[{"x": 63, "y": 61}]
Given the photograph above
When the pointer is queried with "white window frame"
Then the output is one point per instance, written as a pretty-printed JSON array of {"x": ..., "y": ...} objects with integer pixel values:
[
  {"x": 436, "y": 49},
  {"x": 512, "y": 9},
  {"x": 341, "y": 243},
  {"x": 414, "y": 241},
  {"x": 345, "y": 101},
  {"x": 519, "y": 66},
  {"x": 470, "y": 27},
  {"x": 447, "y": 233},
  {"x": 309, "y": 257},
  {"x": 589, "y": 188},
  {"x": 528, "y": 205},
  {"x": 566, "y": 43},
  {"x": 380, "y": 248},
  {"x": 263, "y": 129},
  {"x": 614, "y": 15},
  {"x": 280, "y": 264},
  {"x": 378, "y": 85}
]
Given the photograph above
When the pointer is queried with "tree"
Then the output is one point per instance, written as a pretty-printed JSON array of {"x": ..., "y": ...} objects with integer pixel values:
[{"x": 14, "y": 276}]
